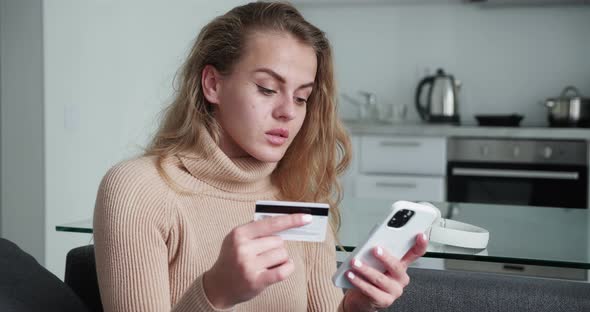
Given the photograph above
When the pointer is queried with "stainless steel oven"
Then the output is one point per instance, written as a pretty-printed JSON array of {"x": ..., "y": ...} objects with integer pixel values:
[{"x": 518, "y": 172}]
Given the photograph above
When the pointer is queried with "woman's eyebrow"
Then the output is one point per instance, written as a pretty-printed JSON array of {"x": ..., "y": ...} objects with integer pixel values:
[{"x": 280, "y": 78}]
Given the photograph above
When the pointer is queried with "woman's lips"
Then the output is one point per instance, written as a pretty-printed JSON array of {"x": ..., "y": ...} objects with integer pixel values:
[
  {"x": 275, "y": 139},
  {"x": 277, "y": 136}
]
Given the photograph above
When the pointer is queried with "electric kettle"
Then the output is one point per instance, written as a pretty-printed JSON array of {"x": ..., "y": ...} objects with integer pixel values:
[{"x": 441, "y": 98}]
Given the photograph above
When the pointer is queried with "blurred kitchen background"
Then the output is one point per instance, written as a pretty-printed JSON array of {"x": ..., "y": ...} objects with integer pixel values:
[
  {"x": 509, "y": 58},
  {"x": 82, "y": 82}
]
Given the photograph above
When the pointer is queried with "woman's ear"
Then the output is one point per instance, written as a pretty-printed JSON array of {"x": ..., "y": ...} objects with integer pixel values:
[{"x": 210, "y": 79}]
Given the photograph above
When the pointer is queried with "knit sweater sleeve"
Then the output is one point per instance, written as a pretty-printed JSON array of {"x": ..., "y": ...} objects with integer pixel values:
[
  {"x": 131, "y": 226},
  {"x": 322, "y": 295}
]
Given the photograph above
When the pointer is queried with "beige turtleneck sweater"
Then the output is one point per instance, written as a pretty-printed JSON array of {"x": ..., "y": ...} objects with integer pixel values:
[{"x": 153, "y": 244}]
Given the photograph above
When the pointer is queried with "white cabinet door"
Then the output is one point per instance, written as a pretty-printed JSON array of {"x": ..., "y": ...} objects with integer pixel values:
[
  {"x": 405, "y": 155},
  {"x": 349, "y": 176},
  {"x": 398, "y": 187}
]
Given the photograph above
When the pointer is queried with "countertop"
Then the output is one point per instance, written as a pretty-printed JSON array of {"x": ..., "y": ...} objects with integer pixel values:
[{"x": 425, "y": 129}]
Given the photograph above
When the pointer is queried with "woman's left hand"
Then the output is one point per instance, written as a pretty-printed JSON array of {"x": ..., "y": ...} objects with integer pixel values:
[{"x": 375, "y": 290}]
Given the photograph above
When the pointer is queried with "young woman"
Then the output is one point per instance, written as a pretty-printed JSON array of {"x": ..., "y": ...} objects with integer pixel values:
[{"x": 254, "y": 118}]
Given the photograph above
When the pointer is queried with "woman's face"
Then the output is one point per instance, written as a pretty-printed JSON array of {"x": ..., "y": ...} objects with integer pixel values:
[{"x": 261, "y": 105}]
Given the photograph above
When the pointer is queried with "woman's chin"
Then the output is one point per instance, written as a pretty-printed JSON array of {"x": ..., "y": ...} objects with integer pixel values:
[{"x": 268, "y": 154}]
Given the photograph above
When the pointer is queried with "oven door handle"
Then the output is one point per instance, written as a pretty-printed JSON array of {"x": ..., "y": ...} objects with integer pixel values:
[{"x": 511, "y": 173}]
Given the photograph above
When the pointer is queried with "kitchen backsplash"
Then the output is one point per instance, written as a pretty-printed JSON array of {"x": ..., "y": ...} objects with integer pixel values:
[{"x": 509, "y": 59}]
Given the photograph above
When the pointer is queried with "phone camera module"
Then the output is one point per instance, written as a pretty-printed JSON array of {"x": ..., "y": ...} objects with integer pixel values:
[{"x": 400, "y": 218}]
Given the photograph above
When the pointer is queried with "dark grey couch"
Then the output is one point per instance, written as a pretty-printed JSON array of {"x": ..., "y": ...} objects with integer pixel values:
[
  {"x": 434, "y": 290},
  {"x": 81, "y": 276},
  {"x": 26, "y": 286},
  {"x": 429, "y": 290}
]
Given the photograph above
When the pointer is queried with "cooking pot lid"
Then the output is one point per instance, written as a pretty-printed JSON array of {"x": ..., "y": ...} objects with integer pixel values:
[{"x": 572, "y": 90}]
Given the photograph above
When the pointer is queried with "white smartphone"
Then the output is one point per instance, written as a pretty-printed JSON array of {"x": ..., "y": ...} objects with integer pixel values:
[{"x": 396, "y": 233}]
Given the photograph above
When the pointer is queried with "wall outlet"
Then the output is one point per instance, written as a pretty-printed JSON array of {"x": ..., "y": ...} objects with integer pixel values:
[{"x": 71, "y": 117}]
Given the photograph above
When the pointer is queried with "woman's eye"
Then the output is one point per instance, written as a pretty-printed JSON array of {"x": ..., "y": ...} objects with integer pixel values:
[
  {"x": 266, "y": 91},
  {"x": 301, "y": 100}
]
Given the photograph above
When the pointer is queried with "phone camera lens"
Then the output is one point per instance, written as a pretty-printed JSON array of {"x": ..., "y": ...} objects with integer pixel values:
[{"x": 400, "y": 218}]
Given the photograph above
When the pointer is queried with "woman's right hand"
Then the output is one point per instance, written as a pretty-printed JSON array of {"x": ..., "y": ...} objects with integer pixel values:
[{"x": 250, "y": 260}]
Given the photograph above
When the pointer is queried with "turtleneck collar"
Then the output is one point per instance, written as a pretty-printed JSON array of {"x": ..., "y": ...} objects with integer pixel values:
[{"x": 237, "y": 175}]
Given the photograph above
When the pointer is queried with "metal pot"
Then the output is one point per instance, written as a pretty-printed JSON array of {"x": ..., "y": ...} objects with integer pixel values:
[{"x": 570, "y": 109}]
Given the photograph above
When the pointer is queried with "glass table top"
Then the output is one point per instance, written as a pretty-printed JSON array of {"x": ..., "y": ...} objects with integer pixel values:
[
  {"x": 557, "y": 237},
  {"x": 546, "y": 236}
]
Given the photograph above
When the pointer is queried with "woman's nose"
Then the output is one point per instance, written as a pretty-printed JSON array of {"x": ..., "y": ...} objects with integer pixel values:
[{"x": 285, "y": 110}]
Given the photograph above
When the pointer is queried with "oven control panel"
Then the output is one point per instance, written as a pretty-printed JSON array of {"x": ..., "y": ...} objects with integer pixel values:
[{"x": 518, "y": 151}]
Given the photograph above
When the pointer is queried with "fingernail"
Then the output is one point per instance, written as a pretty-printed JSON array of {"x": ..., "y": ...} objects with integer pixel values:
[
  {"x": 380, "y": 251},
  {"x": 350, "y": 275},
  {"x": 357, "y": 263},
  {"x": 424, "y": 236},
  {"x": 307, "y": 218}
]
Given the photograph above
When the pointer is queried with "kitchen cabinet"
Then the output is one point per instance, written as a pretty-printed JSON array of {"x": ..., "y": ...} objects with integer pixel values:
[
  {"x": 407, "y": 187},
  {"x": 403, "y": 155},
  {"x": 397, "y": 167}
]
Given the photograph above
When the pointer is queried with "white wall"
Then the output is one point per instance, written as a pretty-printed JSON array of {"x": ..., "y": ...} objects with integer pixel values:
[
  {"x": 109, "y": 67},
  {"x": 508, "y": 58},
  {"x": 21, "y": 71}
]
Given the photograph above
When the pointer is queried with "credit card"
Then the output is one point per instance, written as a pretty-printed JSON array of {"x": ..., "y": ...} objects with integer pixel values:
[{"x": 312, "y": 232}]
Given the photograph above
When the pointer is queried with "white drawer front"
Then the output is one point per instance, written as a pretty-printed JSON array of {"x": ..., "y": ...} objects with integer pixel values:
[
  {"x": 401, "y": 187},
  {"x": 410, "y": 155}
]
